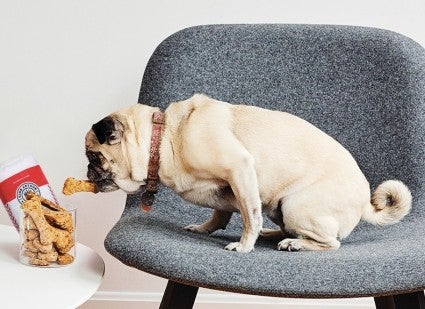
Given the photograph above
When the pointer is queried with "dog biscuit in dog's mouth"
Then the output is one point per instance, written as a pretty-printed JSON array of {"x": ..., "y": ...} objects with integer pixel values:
[{"x": 73, "y": 185}]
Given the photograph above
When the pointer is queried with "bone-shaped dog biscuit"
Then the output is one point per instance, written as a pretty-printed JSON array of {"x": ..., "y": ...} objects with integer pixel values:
[
  {"x": 45, "y": 202},
  {"x": 62, "y": 240},
  {"x": 64, "y": 259},
  {"x": 32, "y": 208},
  {"x": 73, "y": 185},
  {"x": 60, "y": 219}
]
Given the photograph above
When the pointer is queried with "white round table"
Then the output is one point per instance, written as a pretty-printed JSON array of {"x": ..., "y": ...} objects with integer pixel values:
[{"x": 23, "y": 286}]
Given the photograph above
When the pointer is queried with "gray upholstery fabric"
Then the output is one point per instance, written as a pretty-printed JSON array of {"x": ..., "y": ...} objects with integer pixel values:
[{"x": 363, "y": 86}]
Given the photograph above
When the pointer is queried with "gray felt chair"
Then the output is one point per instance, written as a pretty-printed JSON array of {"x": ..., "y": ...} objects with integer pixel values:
[{"x": 363, "y": 86}]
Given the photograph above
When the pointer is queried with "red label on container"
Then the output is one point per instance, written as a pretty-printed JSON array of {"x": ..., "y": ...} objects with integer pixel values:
[{"x": 16, "y": 186}]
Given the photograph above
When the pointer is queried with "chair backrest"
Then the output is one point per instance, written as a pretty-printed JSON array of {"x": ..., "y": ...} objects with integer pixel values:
[{"x": 363, "y": 86}]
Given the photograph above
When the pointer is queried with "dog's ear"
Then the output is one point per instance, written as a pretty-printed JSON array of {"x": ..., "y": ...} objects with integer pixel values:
[{"x": 109, "y": 130}]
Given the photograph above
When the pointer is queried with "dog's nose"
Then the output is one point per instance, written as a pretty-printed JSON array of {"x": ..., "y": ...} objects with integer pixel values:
[{"x": 93, "y": 172}]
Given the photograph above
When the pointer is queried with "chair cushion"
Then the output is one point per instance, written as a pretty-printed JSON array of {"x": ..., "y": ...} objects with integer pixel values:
[
  {"x": 371, "y": 261},
  {"x": 363, "y": 86}
]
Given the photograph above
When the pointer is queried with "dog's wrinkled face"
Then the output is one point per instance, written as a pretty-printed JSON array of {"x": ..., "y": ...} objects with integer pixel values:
[
  {"x": 109, "y": 168},
  {"x": 107, "y": 132}
]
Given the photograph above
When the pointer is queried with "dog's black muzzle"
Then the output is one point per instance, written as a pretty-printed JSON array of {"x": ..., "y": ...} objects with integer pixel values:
[{"x": 103, "y": 179}]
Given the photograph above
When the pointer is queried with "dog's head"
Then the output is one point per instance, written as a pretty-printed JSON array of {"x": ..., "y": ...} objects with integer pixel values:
[{"x": 118, "y": 151}]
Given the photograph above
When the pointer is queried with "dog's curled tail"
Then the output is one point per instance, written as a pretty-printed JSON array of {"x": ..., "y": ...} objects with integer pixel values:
[{"x": 390, "y": 202}]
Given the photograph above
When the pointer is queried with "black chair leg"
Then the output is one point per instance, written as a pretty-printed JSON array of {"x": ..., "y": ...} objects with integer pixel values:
[
  {"x": 384, "y": 302},
  {"x": 415, "y": 300},
  {"x": 178, "y": 296}
]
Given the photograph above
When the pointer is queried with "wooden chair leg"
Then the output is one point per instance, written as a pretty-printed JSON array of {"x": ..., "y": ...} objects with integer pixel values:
[
  {"x": 415, "y": 300},
  {"x": 178, "y": 295}
]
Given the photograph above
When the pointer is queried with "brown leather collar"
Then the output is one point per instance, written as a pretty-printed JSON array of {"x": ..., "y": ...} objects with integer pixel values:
[{"x": 152, "y": 180}]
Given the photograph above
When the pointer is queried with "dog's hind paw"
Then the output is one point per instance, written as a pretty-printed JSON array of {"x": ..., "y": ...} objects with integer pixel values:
[{"x": 289, "y": 244}]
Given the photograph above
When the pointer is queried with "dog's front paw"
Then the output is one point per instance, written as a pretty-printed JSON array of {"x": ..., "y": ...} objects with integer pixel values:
[
  {"x": 197, "y": 228},
  {"x": 290, "y": 244},
  {"x": 239, "y": 247}
]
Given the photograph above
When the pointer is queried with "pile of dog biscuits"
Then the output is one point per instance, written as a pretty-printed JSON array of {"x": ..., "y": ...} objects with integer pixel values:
[{"x": 48, "y": 232}]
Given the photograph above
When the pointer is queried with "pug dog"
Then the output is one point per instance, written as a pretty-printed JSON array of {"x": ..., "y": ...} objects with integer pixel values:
[{"x": 238, "y": 158}]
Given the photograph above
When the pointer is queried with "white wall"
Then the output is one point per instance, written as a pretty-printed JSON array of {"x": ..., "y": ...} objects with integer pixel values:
[{"x": 66, "y": 64}]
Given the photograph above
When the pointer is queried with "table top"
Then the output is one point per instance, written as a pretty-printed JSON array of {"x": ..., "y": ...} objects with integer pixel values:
[{"x": 23, "y": 286}]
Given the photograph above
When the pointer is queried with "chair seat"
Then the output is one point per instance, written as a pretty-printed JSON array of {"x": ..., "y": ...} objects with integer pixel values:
[{"x": 365, "y": 265}]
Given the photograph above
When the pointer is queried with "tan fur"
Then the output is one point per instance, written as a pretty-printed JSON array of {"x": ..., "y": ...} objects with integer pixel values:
[{"x": 251, "y": 160}]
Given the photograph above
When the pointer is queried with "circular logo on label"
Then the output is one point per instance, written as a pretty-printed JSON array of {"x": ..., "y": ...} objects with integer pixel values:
[{"x": 24, "y": 188}]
